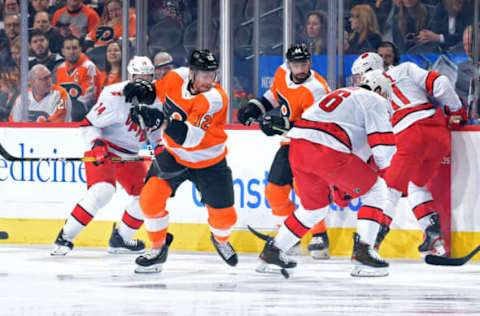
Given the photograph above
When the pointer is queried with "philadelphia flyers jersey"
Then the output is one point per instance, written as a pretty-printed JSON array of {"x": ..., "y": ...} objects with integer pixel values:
[
  {"x": 110, "y": 120},
  {"x": 205, "y": 115},
  {"x": 411, "y": 86},
  {"x": 295, "y": 98},
  {"x": 54, "y": 107},
  {"x": 351, "y": 120},
  {"x": 81, "y": 80}
]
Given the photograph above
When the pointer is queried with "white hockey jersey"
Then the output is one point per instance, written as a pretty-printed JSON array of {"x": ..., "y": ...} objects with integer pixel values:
[
  {"x": 110, "y": 120},
  {"x": 411, "y": 87},
  {"x": 351, "y": 120}
]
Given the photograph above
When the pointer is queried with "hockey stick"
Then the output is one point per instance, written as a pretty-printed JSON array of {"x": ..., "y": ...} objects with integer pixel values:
[
  {"x": 443, "y": 261},
  {"x": 4, "y": 153},
  {"x": 3, "y": 235},
  {"x": 275, "y": 128}
]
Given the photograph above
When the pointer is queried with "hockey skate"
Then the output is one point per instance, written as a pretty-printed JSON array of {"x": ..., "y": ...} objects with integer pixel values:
[
  {"x": 318, "y": 246},
  {"x": 62, "y": 245},
  {"x": 432, "y": 239},
  {"x": 272, "y": 255},
  {"x": 367, "y": 262},
  {"x": 226, "y": 251},
  {"x": 382, "y": 232},
  {"x": 152, "y": 261},
  {"x": 120, "y": 246}
]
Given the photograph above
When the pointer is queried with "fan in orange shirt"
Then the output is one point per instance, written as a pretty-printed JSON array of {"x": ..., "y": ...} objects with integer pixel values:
[{"x": 113, "y": 65}]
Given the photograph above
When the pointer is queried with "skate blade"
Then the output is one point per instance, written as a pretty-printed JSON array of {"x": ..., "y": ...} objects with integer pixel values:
[
  {"x": 361, "y": 270},
  {"x": 156, "y": 268},
  {"x": 124, "y": 251},
  {"x": 320, "y": 254},
  {"x": 60, "y": 251},
  {"x": 264, "y": 267}
]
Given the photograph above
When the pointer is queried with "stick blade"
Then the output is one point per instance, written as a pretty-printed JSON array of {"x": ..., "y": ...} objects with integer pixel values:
[{"x": 443, "y": 261}]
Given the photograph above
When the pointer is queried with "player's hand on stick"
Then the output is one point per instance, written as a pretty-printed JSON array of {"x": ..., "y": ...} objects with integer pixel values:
[
  {"x": 152, "y": 117},
  {"x": 250, "y": 112},
  {"x": 274, "y": 125},
  {"x": 142, "y": 89},
  {"x": 100, "y": 152}
]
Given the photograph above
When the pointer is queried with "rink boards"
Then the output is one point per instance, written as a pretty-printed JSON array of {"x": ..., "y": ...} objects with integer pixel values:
[{"x": 36, "y": 197}]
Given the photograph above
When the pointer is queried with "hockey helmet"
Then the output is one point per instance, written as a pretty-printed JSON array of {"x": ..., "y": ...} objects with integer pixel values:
[
  {"x": 298, "y": 52},
  {"x": 367, "y": 62},
  {"x": 375, "y": 79},
  {"x": 140, "y": 65},
  {"x": 203, "y": 60}
]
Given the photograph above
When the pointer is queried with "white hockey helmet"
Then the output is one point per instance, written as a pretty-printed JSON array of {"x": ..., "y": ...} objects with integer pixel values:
[
  {"x": 364, "y": 63},
  {"x": 140, "y": 65},
  {"x": 376, "y": 81}
]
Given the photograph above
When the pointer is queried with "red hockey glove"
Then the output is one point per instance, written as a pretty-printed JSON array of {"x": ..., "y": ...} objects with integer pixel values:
[
  {"x": 456, "y": 118},
  {"x": 99, "y": 151}
]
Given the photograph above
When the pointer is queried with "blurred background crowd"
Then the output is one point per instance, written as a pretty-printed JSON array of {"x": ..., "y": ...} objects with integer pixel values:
[{"x": 80, "y": 42}]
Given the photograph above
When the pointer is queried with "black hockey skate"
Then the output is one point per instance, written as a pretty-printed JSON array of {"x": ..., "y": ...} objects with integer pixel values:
[
  {"x": 382, "y": 232},
  {"x": 271, "y": 255},
  {"x": 62, "y": 245},
  {"x": 120, "y": 246},
  {"x": 152, "y": 262},
  {"x": 318, "y": 246},
  {"x": 432, "y": 239},
  {"x": 226, "y": 251},
  {"x": 367, "y": 262}
]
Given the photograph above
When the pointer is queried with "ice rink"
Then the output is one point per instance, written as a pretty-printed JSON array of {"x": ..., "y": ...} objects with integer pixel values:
[{"x": 89, "y": 281}]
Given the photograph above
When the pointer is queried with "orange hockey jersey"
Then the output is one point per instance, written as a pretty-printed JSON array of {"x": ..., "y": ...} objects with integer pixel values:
[
  {"x": 205, "y": 115},
  {"x": 81, "y": 80}
]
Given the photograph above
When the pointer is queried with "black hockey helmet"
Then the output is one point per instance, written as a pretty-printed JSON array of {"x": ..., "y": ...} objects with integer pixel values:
[
  {"x": 298, "y": 52},
  {"x": 203, "y": 60}
]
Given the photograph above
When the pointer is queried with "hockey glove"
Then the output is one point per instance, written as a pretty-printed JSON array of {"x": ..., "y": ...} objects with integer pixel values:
[
  {"x": 340, "y": 197},
  {"x": 142, "y": 89},
  {"x": 100, "y": 152},
  {"x": 456, "y": 118},
  {"x": 250, "y": 112},
  {"x": 152, "y": 117},
  {"x": 274, "y": 125}
]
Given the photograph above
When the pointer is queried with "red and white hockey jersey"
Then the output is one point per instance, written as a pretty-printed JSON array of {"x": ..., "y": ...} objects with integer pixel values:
[
  {"x": 54, "y": 107},
  {"x": 411, "y": 86},
  {"x": 110, "y": 120},
  {"x": 351, "y": 120}
]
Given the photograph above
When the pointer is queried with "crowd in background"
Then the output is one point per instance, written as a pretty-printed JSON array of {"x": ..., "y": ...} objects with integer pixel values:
[{"x": 71, "y": 35}]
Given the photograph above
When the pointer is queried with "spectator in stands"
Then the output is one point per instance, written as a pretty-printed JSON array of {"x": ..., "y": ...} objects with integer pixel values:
[
  {"x": 42, "y": 22},
  {"x": 9, "y": 91},
  {"x": 79, "y": 76},
  {"x": 315, "y": 36},
  {"x": 11, "y": 6},
  {"x": 80, "y": 18},
  {"x": 365, "y": 34},
  {"x": 110, "y": 26},
  {"x": 464, "y": 84},
  {"x": 450, "y": 18},
  {"x": 389, "y": 53},
  {"x": 39, "y": 6},
  {"x": 411, "y": 18},
  {"x": 46, "y": 102},
  {"x": 113, "y": 65},
  {"x": 163, "y": 62},
  {"x": 12, "y": 30},
  {"x": 40, "y": 52}
]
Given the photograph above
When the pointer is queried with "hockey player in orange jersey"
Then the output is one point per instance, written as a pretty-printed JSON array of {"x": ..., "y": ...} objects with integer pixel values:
[
  {"x": 295, "y": 88},
  {"x": 194, "y": 115}
]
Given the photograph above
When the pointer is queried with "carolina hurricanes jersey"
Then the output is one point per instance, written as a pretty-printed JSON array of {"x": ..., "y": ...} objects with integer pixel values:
[
  {"x": 205, "y": 115},
  {"x": 351, "y": 120},
  {"x": 110, "y": 120},
  {"x": 55, "y": 107},
  {"x": 81, "y": 80},
  {"x": 411, "y": 86},
  {"x": 295, "y": 98}
]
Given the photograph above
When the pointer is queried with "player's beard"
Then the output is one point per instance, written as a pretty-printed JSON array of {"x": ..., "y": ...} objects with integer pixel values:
[{"x": 300, "y": 77}]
